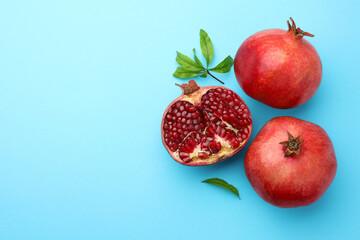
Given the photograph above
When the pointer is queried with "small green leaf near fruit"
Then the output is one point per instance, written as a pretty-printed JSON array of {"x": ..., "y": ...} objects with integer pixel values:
[
  {"x": 222, "y": 183},
  {"x": 191, "y": 68}
]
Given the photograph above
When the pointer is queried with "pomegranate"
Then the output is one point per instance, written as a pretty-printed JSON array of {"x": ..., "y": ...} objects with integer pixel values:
[
  {"x": 205, "y": 125},
  {"x": 291, "y": 162},
  {"x": 278, "y": 68}
]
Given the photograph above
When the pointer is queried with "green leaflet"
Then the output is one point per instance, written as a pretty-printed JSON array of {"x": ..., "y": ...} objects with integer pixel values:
[
  {"x": 185, "y": 73},
  {"x": 207, "y": 48},
  {"x": 224, "y": 66},
  {"x": 191, "y": 68},
  {"x": 188, "y": 63},
  {"x": 197, "y": 59},
  {"x": 221, "y": 183}
]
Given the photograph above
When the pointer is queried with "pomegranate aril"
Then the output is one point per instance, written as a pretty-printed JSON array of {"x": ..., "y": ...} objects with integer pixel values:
[
  {"x": 222, "y": 132},
  {"x": 203, "y": 155},
  {"x": 195, "y": 115},
  {"x": 184, "y": 155},
  {"x": 192, "y": 143},
  {"x": 245, "y": 130},
  {"x": 192, "y": 109},
  {"x": 210, "y": 132},
  {"x": 235, "y": 143},
  {"x": 229, "y": 135},
  {"x": 215, "y": 146}
]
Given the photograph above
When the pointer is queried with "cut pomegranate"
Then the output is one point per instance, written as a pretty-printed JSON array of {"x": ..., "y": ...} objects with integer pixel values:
[{"x": 205, "y": 125}]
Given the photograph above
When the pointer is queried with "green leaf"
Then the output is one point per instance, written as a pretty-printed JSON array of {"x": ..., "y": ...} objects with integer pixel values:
[
  {"x": 204, "y": 75},
  {"x": 187, "y": 62},
  {"x": 224, "y": 66},
  {"x": 207, "y": 48},
  {"x": 197, "y": 59},
  {"x": 183, "y": 73},
  {"x": 221, "y": 183}
]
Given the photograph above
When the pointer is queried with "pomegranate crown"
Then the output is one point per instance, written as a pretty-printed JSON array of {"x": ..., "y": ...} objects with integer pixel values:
[
  {"x": 298, "y": 33},
  {"x": 189, "y": 88},
  {"x": 293, "y": 145}
]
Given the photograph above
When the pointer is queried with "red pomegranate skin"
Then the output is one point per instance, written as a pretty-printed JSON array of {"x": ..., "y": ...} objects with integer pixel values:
[
  {"x": 278, "y": 69},
  {"x": 295, "y": 180}
]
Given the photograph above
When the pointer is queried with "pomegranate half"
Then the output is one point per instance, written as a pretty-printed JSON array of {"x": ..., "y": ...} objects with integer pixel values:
[
  {"x": 278, "y": 68},
  {"x": 205, "y": 125}
]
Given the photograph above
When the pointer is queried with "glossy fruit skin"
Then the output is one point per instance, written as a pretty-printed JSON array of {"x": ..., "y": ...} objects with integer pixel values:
[
  {"x": 196, "y": 97},
  {"x": 278, "y": 69},
  {"x": 296, "y": 180}
]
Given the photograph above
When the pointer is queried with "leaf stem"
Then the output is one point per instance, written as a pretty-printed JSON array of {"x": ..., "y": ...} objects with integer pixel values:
[{"x": 214, "y": 76}]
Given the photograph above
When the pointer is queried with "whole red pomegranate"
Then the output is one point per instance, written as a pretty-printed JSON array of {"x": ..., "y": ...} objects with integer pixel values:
[
  {"x": 291, "y": 162},
  {"x": 205, "y": 125},
  {"x": 278, "y": 67}
]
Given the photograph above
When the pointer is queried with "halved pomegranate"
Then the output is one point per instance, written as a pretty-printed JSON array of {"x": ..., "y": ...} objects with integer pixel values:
[{"x": 205, "y": 125}]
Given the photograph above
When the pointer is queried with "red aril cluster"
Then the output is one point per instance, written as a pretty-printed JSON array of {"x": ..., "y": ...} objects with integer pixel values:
[{"x": 205, "y": 125}]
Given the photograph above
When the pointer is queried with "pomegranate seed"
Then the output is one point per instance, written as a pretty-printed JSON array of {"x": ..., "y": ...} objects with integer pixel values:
[
  {"x": 203, "y": 155},
  {"x": 184, "y": 155}
]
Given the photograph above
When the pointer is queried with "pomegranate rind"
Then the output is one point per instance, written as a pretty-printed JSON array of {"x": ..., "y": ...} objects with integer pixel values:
[{"x": 294, "y": 180}]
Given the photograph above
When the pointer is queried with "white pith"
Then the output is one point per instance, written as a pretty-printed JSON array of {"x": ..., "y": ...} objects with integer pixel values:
[{"x": 226, "y": 150}]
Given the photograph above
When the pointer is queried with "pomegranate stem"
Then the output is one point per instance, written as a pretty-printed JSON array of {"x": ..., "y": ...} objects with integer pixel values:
[
  {"x": 214, "y": 76},
  {"x": 297, "y": 31}
]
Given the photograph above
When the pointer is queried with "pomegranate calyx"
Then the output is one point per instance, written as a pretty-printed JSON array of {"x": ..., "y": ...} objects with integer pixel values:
[
  {"x": 189, "y": 88},
  {"x": 293, "y": 145},
  {"x": 298, "y": 33}
]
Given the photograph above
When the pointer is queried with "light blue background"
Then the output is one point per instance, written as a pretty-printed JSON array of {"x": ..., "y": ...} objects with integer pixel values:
[{"x": 83, "y": 86}]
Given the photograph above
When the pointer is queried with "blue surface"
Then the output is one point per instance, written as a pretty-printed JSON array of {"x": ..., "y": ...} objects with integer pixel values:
[{"x": 83, "y": 86}]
